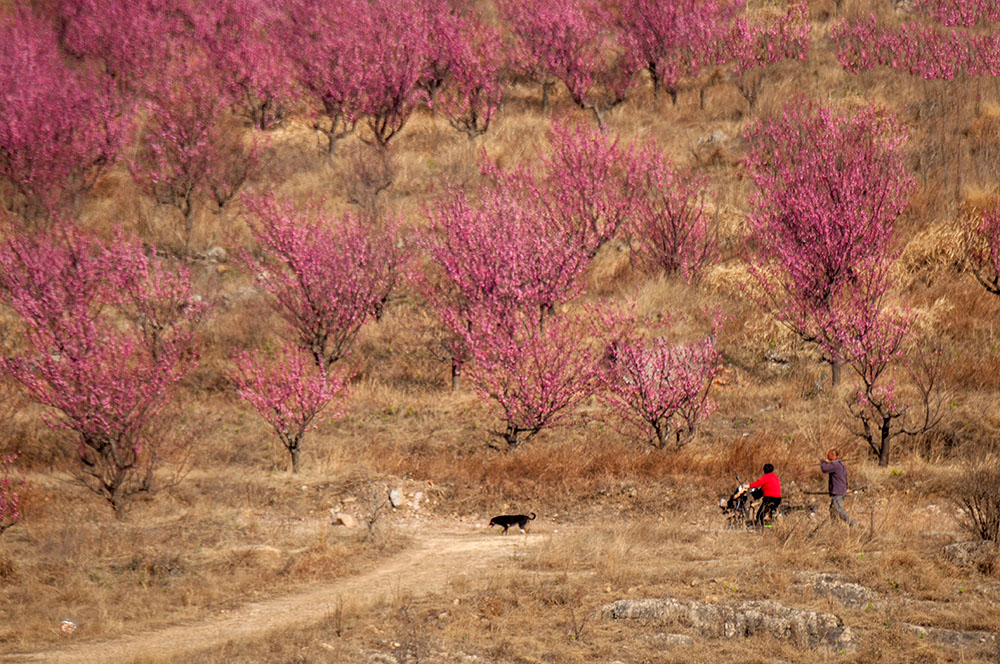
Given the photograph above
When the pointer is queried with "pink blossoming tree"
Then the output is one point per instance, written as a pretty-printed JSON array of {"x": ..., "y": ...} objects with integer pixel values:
[
  {"x": 576, "y": 43},
  {"x": 983, "y": 245},
  {"x": 290, "y": 392},
  {"x": 755, "y": 46},
  {"x": 534, "y": 375},
  {"x": 326, "y": 275},
  {"x": 475, "y": 88},
  {"x": 187, "y": 159},
  {"x": 496, "y": 259},
  {"x": 830, "y": 190},
  {"x": 329, "y": 56},
  {"x": 891, "y": 366},
  {"x": 62, "y": 126},
  {"x": 104, "y": 375},
  {"x": 654, "y": 385},
  {"x": 585, "y": 187},
  {"x": 245, "y": 40},
  {"x": 675, "y": 40},
  {"x": 670, "y": 221}
]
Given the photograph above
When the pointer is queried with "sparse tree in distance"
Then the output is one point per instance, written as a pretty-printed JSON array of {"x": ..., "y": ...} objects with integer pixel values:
[
  {"x": 982, "y": 242},
  {"x": 62, "y": 126}
]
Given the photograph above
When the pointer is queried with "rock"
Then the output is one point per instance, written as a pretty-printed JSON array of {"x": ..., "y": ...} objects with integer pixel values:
[
  {"x": 969, "y": 640},
  {"x": 396, "y": 498},
  {"x": 849, "y": 594},
  {"x": 673, "y": 639},
  {"x": 343, "y": 519},
  {"x": 717, "y": 146},
  {"x": 805, "y": 628},
  {"x": 970, "y": 553},
  {"x": 216, "y": 254},
  {"x": 418, "y": 498}
]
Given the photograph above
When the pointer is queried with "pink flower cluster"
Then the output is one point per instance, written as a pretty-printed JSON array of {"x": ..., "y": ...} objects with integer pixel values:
[
  {"x": 917, "y": 49},
  {"x": 965, "y": 13}
]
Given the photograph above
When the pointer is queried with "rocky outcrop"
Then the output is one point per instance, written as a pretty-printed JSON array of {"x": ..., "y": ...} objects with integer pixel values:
[
  {"x": 850, "y": 594},
  {"x": 965, "y": 640},
  {"x": 805, "y": 628}
]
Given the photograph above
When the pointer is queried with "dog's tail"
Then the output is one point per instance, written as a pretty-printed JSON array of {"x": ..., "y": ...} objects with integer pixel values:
[{"x": 532, "y": 517}]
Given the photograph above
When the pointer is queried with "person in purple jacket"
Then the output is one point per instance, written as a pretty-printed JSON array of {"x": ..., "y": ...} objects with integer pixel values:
[{"x": 835, "y": 468}]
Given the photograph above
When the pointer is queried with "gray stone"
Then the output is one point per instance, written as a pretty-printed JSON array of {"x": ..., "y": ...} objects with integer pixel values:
[
  {"x": 216, "y": 254},
  {"x": 396, "y": 498},
  {"x": 965, "y": 640},
  {"x": 969, "y": 553},
  {"x": 673, "y": 639},
  {"x": 805, "y": 628},
  {"x": 850, "y": 594}
]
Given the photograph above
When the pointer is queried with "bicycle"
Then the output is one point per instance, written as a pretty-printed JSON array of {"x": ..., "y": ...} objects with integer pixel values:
[{"x": 741, "y": 509}]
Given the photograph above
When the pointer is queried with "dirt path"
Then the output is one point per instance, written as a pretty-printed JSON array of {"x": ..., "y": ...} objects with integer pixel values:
[{"x": 427, "y": 566}]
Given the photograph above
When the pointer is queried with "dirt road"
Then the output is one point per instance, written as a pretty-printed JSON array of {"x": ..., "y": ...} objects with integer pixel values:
[{"x": 433, "y": 559}]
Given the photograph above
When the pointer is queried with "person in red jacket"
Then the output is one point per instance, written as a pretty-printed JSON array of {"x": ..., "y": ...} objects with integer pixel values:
[{"x": 770, "y": 486}]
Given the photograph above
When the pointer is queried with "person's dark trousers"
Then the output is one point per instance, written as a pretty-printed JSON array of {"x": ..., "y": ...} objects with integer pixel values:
[{"x": 769, "y": 504}]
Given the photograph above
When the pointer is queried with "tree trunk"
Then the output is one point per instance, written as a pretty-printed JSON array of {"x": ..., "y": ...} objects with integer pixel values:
[
  {"x": 835, "y": 373},
  {"x": 883, "y": 452},
  {"x": 294, "y": 452},
  {"x": 545, "y": 94},
  {"x": 456, "y": 378},
  {"x": 512, "y": 436},
  {"x": 662, "y": 430},
  {"x": 117, "y": 500}
]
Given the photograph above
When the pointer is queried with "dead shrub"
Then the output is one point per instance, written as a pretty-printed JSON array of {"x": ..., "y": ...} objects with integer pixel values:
[{"x": 978, "y": 496}]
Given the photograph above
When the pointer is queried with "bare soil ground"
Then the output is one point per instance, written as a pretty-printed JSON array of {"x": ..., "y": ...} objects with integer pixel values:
[{"x": 437, "y": 554}]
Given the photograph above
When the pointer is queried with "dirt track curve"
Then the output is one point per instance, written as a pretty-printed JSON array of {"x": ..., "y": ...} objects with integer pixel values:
[{"x": 433, "y": 559}]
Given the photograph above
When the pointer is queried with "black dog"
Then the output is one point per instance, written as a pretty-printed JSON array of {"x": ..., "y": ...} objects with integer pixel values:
[{"x": 508, "y": 520}]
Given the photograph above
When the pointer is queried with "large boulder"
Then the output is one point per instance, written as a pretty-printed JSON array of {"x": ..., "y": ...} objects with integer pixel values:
[{"x": 749, "y": 618}]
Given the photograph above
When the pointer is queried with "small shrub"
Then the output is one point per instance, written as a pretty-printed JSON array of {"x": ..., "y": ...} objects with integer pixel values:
[{"x": 978, "y": 496}]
